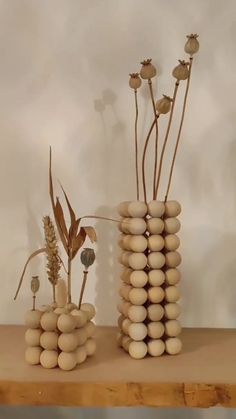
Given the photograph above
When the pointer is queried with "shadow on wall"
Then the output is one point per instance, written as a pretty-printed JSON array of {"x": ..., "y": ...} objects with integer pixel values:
[{"x": 114, "y": 413}]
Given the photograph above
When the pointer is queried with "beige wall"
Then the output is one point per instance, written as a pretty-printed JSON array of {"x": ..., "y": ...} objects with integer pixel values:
[{"x": 57, "y": 59}]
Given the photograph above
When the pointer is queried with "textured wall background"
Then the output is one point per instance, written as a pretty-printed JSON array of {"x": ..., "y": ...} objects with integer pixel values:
[{"x": 58, "y": 59}]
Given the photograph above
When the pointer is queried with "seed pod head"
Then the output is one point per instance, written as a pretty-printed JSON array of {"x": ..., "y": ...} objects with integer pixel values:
[
  {"x": 135, "y": 81},
  {"x": 34, "y": 284},
  {"x": 148, "y": 70},
  {"x": 181, "y": 71},
  {"x": 163, "y": 105},
  {"x": 192, "y": 44},
  {"x": 87, "y": 257}
]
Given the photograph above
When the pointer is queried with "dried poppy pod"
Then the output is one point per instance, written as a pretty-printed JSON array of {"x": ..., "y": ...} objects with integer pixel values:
[
  {"x": 192, "y": 44},
  {"x": 181, "y": 71},
  {"x": 163, "y": 105},
  {"x": 135, "y": 81},
  {"x": 148, "y": 70}
]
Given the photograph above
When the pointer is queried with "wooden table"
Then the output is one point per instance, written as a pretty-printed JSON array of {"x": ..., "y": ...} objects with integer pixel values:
[{"x": 203, "y": 375}]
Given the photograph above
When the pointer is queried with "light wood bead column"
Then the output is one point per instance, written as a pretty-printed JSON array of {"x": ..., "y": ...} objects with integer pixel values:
[{"x": 149, "y": 294}]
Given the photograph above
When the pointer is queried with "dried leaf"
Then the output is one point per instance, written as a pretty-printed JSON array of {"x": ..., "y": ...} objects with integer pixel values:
[
  {"x": 73, "y": 231},
  {"x": 37, "y": 252},
  {"x": 62, "y": 237},
  {"x": 34, "y": 285},
  {"x": 91, "y": 233},
  {"x": 78, "y": 242},
  {"x": 61, "y": 219},
  {"x": 71, "y": 211}
]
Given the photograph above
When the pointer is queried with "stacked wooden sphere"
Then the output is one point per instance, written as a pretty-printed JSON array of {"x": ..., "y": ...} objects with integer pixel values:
[
  {"x": 149, "y": 294},
  {"x": 60, "y": 336}
]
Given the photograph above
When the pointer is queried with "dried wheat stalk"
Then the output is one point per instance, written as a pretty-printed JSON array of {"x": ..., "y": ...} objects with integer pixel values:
[{"x": 53, "y": 258}]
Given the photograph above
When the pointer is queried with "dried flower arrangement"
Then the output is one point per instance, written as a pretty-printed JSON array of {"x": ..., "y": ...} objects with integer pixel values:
[
  {"x": 61, "y": 333},
  {"x": 149, "y": 309}
]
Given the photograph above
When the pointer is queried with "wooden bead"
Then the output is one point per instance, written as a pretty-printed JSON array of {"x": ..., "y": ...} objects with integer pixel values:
[
  {"x": 172, "y": 225},
  {"x": 138, "y": 279},
  {"x": 80, "y": 317},
  {"x": 172, "y": 328},
  {"x": 172, "y": 242},
  {"x": 137, "y": 261},
  {"x": 155, "y": 225},
  {"x": 138, "y": 296},
  {"x": 32, "y": 319},
  {"x": 173, "y": 346},
  {"x": 126, "y": 241},
  {"x": 90, "y": 329},
  {"x": 120, "y": 241},
  {"x": 32, "y": 355},
  {"x": 46, "y": 307},
  {"x": 137, "y": 314},
  {"x": 122, "y": 209},
  {"x": 137, "y": 350},
  {"x": 49, "y": 359},
  {"x": 68, "y": 342},
  {"x": 125, "y": 326},
  {"x": 89, "y": 310},
  {"x": 172, "y": 276},
  {"x": 81, "y": 336},
  {"x": 67, "y": 360},
  {"x": 120, "y": 306},
  {"x": 90, "y": 346},
  {"x": 49, "y": 321},
  {"x": 49, "y": 340},
  {"x": 60, "y": 310},
  {"x": 173, "y": 259},
  {"x": 70, "y": 306},
  {"x": 32, "y": 337},
  {"x": 172, "y": 311},
  {"x": 124, "y": 291},
  {"x": 138, "y": 243},
  {"x": 156, "y": 347},
  {"x": 125, "y": 275},
  {"x": 156, "y": 209},
  {"x": 120, "y": 320},
  {"x": 124, "y": 258},
  {"x": 155, "y": 312},
  {"x": 155, "y": 242},
  {"x": 172, "y": 208},
  {"x": 172, "y": 294},
  {"x": 136, "y": 226},
  {"x": 124, "y": 225},
  {"x": 81, "y": 354},
  {"x": 156, "y": 294},
  {"x": 156, "y": 277},
  {"x": 156, "y": 260},
  {"x": 126, "y": 306},
  {"x": 155, "y": 330},
  {"x": 66, "y": 323},
  {"x": 126, "y": 341},
  {"x": 137, "y": 331},
  {"x": 119, "y": 339},
  {"x": 137, "y": 209}
]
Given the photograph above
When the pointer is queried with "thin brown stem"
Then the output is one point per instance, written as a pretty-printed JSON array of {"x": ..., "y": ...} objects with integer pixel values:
[
  {"x": 166, "y": 139},
  {"x": 69, "y": 280},
  {"x": 144, "y": 158},
  {"x": 54, "y": 293},
  {"x": 63, "y": 264},
  {"x": 34, "y": 298},
  {"x": 180, "y": 130},
  {"x": 156, "y": 136},
  {"x": 136, "y": 143},
  {"x": 83, "y": 288},
  {"x": 100, "y": 218}
]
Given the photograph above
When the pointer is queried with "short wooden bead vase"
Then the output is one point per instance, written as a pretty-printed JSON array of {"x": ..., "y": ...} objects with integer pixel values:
[
  {"x": 149, "y": 293},
  {"x": 60, "y": 336}
]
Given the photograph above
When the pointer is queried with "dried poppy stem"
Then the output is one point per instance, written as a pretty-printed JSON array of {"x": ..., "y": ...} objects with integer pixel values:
[
  {"x": 136, "y": 143},
  {"x": 144, "y": 158},
  {"x": 166, "y": 139},
  {"x": 156, "y": 136},
  {"x": 83, "y": 288},
  {"x": 180, "y": 130}
]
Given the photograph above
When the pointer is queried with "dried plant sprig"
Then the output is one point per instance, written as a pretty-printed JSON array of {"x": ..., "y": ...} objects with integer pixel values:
[
  {"x": 179, "y": 132},
  {"x": 192, "y": 44},
  {"x": 34, "y": 285},
  {"x": 144, "y": 157},
  {"x": 166, "y": 139},
  {"x": 135, "y": 82},
  {"x": 53, "y": 259},
  {"x": 87, "y": 258},
  {"x": 35, "y": 253}
]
